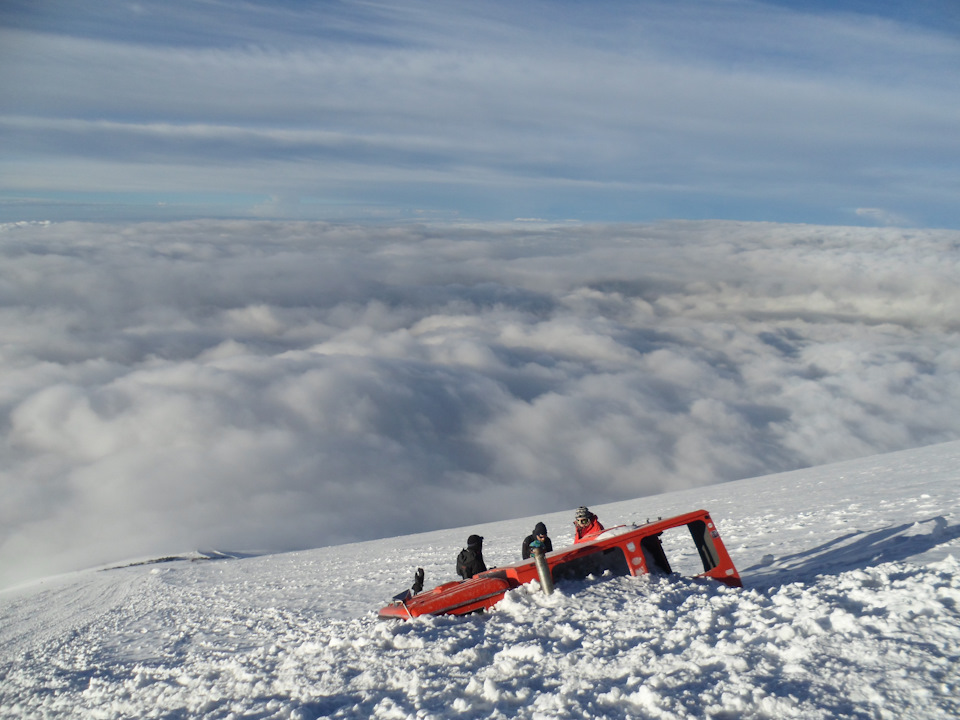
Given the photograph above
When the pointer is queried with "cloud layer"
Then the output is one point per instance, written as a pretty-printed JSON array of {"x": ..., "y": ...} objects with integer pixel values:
[
  {"x": 619, "y": 111},
  {"x": 250, "y": 385}
]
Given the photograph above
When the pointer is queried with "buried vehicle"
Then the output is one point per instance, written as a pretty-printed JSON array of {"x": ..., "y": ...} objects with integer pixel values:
[{"x": 622, "y": 550}]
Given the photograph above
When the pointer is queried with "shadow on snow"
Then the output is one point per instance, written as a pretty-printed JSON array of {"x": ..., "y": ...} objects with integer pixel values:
[{"x": 852, "y": 551}]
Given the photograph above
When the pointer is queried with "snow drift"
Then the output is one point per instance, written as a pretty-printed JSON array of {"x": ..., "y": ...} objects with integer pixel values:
[{"x": 851, "y": 609}]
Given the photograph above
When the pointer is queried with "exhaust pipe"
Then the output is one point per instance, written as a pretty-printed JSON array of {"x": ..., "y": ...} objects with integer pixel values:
[{"x": 546, "y": 580}]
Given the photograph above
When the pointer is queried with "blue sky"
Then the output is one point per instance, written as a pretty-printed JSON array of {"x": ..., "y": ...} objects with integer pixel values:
[{"x": 816, "y": 112}]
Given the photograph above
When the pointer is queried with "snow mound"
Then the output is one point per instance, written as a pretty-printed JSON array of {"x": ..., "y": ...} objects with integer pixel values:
[
  {"x": 843, "y": 647},
  {"x": 851, "y": 609}
]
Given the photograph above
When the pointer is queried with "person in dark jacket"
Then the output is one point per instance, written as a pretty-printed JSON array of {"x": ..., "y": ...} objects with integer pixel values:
[
  {"x": 470, "y": 560},
  {"x": 538, "y": 538},
  {"x": 415, "y": 589},
  {"x": 586, "y": 525}
]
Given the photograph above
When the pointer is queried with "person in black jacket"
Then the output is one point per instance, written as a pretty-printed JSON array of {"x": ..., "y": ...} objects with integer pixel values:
[
  {"x": 470, "y": 560},
  {"x": 414, "y": 590},
  {"x": 538, "y": 538}
]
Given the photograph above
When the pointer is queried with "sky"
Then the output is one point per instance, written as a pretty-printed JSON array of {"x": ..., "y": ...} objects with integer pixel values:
[
  {"x": 266, "y": 385},
  {"x": 850, "y": 609},
  {"x": 839, "y": 113}
]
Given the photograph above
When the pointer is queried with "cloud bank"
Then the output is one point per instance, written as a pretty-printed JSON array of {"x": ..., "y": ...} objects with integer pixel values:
[{"x": 270, "y": 386}]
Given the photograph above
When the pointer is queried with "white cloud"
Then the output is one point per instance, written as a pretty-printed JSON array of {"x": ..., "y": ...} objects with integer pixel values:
[
  {"x": 284, "y": 385},
  {"x": 883, "y": 217},
  {"x": 496, "y": 111}
]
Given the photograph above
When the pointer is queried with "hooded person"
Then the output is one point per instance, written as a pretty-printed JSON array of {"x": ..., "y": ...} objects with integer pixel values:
[
  {"x": 470, "y": 560},
  {"x": 586, "y": 526},
  {"x": 415, "y": 589},
  {"x": 537, "y": 539}
]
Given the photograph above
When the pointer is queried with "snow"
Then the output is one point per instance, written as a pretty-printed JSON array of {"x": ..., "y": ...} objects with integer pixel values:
[{"x": 850, "y": 609}]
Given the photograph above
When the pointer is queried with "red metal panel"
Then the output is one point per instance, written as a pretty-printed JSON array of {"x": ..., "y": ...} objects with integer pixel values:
[{"x": 488, "y": 588}]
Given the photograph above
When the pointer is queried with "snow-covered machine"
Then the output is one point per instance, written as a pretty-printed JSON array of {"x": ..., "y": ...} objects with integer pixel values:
[{"x": 622, "y": 550}]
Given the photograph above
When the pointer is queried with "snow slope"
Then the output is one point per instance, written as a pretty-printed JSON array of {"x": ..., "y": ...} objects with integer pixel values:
[{"x": 851, "y": 609}]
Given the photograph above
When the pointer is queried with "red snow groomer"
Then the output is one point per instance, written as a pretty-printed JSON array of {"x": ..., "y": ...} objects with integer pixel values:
[{"x": 623, "y": 550}]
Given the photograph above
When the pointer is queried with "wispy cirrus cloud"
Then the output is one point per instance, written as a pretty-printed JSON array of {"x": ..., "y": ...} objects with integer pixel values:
[
  {"x": 619, "y": 112},
  {"x": 883, "y": 217}
]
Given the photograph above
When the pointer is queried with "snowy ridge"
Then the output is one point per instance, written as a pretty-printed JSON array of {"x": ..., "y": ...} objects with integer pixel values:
[{"x": 851, "y": 609}]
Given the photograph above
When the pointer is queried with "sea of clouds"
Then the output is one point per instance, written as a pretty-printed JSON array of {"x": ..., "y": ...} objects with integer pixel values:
[{"x": 277, "y": 385}]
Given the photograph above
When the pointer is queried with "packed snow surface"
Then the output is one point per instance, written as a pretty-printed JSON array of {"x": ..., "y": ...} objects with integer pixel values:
[{"x": 850, "y": 609}]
